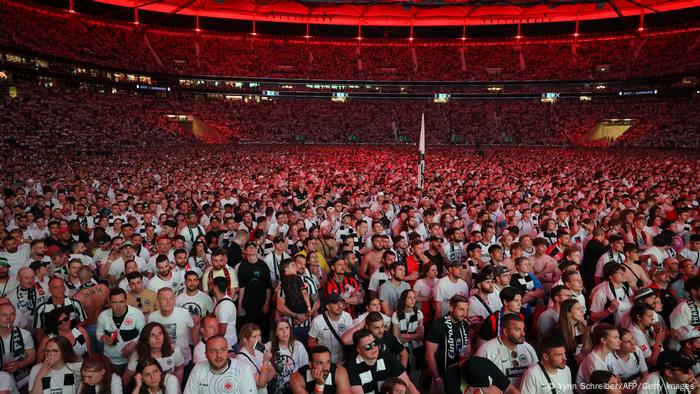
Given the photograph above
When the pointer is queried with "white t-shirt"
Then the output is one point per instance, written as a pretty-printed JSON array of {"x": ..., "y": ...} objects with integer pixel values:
[
  {"x": 225, "y": 311},
  {"x": 445, "y": 290},
  {"x": 178, "y": 326},
  {"x": 254, "y": 362},
  {"x": 534, "y": 381},
  {"x": 376, "y": 280},
  {"x": 591, "y": 363},
  {"x": 236, "y": 379},
  {"x": 167, "y": 363},
  {"x": 288, "y": 362},
  {"x": 199, "y": 353},
  {"x": 9, "y": 350},
  {"x": 116, "y": 385},
  {"x": 18, "y": 259},
  {"x": 477, "y": 309},
  {"x": 601, "y": 294},
  {"x": 501, "y": 356},
  {"x": 175, "y": 282},
  {"x": 323, "y": 335},
  {"x": 643, "y": 341},
  {"x": 199, "y": 304},
  {"x": 63, "y": 381},
  {"x": 625, "y": 369},
  {"x": 116, "y": 268},
  {"x": 7, "y": 383}
]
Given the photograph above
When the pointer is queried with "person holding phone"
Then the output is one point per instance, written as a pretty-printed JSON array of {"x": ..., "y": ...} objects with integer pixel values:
[{"x": 252, "y": 353}]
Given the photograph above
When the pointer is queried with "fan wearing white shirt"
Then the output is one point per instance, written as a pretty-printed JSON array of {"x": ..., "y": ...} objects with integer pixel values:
[
  {"x": 165, "y": 278},
  {"x": 611, "y": 298},
  {"x": 447, "y": 287},
  {"x": 509, "y": 351},
  {"x": 551, "y": 374},
  {"x": 220, "y": 374},
  {"x": 274, "y": 258},
  {"x": 628, "y": 363},
  {"x": 484, "y": 302},
  {"x": 606, "y": 339}
]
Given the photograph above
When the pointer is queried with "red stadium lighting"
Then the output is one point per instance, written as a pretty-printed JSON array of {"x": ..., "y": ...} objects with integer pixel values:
[
  {"x": 307, "y": 36},
  {"x": 518, "y": 37},
  {"x": 410, "y": 38},
  {"x": 358, "y": 38}
]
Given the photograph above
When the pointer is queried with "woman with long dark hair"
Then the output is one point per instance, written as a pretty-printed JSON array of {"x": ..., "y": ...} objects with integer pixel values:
[
  {"x": 288, "y": 355},
  {"x": 573, "y": 330},
  {"x": 58, "y": 324},
  {"x": 98, "y": 377},
  {"x": 60, "y": 366},
  {"x": 407, "y": 325},
  {"x": 151, "y": 379},
  {"x": 155, "y": 342},
  {"x": 200, "y": 256}
]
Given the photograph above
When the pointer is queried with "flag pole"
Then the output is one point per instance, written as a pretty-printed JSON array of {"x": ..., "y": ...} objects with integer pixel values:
[{"x": 421, "y": 153}]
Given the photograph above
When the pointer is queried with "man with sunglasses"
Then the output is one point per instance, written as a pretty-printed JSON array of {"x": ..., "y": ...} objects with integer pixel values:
[
  {"x": 675, "y": 375},
  {"x": 371, "y": 368}
]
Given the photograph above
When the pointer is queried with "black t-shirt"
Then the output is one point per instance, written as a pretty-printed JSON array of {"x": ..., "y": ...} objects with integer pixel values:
[
  {"x": 440, "y": 334},
  {"x": 371, "y": 377},
  {"x": 390, "y": 345},
  {"x": 481, "y": 372},
  {"x": 300, "y": 195},
  {"x": 234, "y": 253},
  {"x": 255, "y": 278},
  {"x": 437, "y": 260}
]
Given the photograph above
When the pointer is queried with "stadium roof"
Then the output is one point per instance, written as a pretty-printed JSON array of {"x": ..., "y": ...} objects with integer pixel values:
[{"x": 409, "y": 13}]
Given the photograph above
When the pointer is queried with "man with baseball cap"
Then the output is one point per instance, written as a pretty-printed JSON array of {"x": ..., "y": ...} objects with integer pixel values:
[
  {"x": 328, "y": 327},
  {"x": 675, "y": 375}
]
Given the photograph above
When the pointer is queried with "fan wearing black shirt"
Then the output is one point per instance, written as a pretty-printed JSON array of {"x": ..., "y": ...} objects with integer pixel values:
[
  {"x": 448, "y": 345},
  {"x": 371, "y": 367},
  {"x": 255, "y": 290},
  {"x": 387, "y": 342}
]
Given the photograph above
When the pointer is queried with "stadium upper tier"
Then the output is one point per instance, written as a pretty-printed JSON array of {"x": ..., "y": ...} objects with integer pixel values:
[{"x": 139, "y": 48}]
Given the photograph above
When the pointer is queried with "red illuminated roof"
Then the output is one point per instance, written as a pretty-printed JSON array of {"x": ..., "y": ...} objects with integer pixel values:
[{"x": 398, "y": 13}]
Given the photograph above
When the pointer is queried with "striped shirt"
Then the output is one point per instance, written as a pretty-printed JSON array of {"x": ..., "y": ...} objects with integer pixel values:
[
  {"x": 76, "y": 312},
  {"x": 371, "y": 377}
]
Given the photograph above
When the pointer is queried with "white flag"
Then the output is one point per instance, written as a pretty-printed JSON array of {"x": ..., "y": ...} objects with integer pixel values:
[{"x": 421, "y": 152}]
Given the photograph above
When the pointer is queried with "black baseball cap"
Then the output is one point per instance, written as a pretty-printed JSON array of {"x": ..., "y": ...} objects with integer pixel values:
[{"x": 674, "y": 359}]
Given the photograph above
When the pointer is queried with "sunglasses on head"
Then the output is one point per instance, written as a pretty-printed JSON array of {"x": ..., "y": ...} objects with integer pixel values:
[{"x": 370, "y": 345}]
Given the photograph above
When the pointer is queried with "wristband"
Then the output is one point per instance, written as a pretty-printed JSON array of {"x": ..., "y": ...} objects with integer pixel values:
[{"x": 319, "y": 388}]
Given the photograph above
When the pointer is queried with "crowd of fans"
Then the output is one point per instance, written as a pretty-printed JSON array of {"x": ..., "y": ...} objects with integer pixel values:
[
  {"x": 84, "y": 120},
  {"x": 298, "y": 269},
  {"x": 137, "y": 47}
]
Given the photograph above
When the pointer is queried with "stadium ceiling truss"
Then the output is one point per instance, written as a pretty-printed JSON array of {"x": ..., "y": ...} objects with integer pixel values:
[{"x": 409, "y": 13}]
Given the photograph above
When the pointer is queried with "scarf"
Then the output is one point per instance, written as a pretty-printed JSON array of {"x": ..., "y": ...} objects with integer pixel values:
[
  {"x": 694, "y": 315},
  {"x": 451, "y": 351}
]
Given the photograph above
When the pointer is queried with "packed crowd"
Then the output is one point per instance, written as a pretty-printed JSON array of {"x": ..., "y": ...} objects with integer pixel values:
[
  {"x": 81, "y": 120},
  {"x": 84, "y": 38},
  {"x": 84, "y": 120},
  {"x": 299, "y": 269}
]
